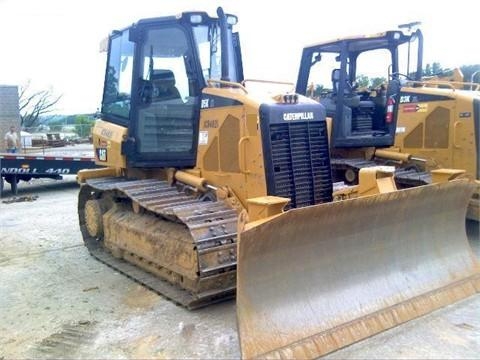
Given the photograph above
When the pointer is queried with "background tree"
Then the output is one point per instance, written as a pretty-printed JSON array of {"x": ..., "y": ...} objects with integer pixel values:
[
  {"x": 432, "y": 69},
  {"x": 318, "y": 90},
  {"x": 377, "y": 81},
  {"x": 469, "y": 70},
  {"x": 427, "y": 71},
  {"x": 56, "y": 125},
  {"x": 83, "y": 125},
  {"x": 436, "y": 68},
  {"x": 35, "y": 104},
  {"x": 362, "y": 81}
]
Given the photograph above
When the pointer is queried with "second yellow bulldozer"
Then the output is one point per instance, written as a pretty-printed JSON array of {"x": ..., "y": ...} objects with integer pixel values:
[
  {"x": 437, "y": 121},
  {"x": 205, "y": 187}
]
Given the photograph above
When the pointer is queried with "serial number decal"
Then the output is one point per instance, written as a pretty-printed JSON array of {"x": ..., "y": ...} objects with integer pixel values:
[
  {"x": 210, "y": 124},
  {"x": 106, "y": 133}
]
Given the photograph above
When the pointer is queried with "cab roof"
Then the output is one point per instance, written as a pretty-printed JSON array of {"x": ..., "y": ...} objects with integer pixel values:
[
  {"x": 361, "y": 43},
  {"x": 186, "y": 16}
]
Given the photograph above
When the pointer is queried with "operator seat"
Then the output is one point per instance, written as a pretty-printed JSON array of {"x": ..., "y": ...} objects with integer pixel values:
[
  {"x": 350, "y": 98},
  {"x": 336, "y": 82},
  {"x": 362, "y": 111},
  {"x": 163, "y": 82}
]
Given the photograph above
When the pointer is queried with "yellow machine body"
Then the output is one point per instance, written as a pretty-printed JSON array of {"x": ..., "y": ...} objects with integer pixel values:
[
  {"x": 320, "y": 264},
  {"x": 229, "y": 150},
  {"x": 433, "y": 122},
  {"x": 441, "y": 127},
  {"x": 441, "y": 131}
]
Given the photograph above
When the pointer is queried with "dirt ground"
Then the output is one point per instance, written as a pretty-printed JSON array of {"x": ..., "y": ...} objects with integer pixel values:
[{"x": 58, "y": 302}]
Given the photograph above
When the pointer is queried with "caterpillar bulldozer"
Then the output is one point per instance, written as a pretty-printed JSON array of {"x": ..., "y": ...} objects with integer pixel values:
[
  {"x": 436, "y": 118},
  {"x": 209, "y": 192},
  {"x": 439, "y": 123}
]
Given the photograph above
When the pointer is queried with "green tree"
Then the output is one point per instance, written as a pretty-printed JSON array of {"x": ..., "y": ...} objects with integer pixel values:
[
  {"x": 318, "y": 90},
  {"x": 433, "y": 69},
  {"x": 362, "y": 81},
  {"x": 377, "y": 81},
  {"x": 83, "y": 125},
  {"x": 436, "y": 68},
  {"x": 469, "y": 71},
  {"x": 427, "y": 71},
  {"x": 56, "y": 125}
]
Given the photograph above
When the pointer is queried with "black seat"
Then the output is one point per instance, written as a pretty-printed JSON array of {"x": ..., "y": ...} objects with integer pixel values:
[
  {"x": 351, "y": 99},
  {"x": 163, "y": 82},
  {"x": 336, "y": 83}
]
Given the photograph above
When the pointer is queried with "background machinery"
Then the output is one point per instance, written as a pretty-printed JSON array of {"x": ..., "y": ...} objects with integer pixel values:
[
  {"x": 435, "y": 123},
  {"x": 439, "y": 124},
  {"x": 197, "y": 171}
]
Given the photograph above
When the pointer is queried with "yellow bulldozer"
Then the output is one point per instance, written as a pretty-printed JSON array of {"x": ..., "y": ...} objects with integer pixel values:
[
  {"x": 439, "y": 125},
  {"x": 437, "y": 119},
  {"x": 209, "y": 192}
]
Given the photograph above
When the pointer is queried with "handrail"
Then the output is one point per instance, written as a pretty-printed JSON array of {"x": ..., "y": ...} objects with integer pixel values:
[
  {"x": 210, "y": 83},
  {"x": 242, "y": 156},
  {"x": 268, "y": 82},
  {"x": 450, "y": 84},
  {"x": 455, "y": 126}
]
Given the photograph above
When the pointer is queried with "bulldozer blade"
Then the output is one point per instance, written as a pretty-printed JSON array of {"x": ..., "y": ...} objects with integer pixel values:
[{"x": 316, "y": 279}]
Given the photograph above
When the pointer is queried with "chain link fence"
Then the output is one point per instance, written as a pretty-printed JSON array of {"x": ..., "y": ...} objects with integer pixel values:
[{"x": 68, "y": 140}]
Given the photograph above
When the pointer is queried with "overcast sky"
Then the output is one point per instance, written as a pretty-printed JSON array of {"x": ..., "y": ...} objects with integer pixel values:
[{"x": 55, "y": 43}]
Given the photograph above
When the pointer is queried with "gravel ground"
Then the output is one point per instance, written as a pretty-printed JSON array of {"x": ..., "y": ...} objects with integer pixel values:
[{"x": 58, "y": 302}]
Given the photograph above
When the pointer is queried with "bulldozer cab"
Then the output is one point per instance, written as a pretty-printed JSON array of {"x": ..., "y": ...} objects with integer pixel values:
[
  {"x": 156, "y": 70},
  {"x": 358, "y": 80}
]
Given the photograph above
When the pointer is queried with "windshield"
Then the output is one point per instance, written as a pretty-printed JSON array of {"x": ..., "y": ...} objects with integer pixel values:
[
  {"x": 369, "y": 70},
  {"x": 320, "y": 78},
  {"x": 165, "y": 59},
  {"x": 372, "y": 68},
  {"x": 209, "y": 46},
  {"x": 118, "y": 79},
  {"x": 408, "y": 57}
]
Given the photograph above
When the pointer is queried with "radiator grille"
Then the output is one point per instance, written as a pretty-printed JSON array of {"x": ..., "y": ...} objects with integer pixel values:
[{"x": 300, "y": 165}]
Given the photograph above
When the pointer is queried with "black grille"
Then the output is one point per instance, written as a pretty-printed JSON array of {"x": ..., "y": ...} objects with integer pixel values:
[{"x": 296, "y": 155}]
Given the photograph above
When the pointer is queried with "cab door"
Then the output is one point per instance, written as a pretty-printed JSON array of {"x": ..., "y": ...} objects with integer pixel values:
[{"x": 164, "y": 132}]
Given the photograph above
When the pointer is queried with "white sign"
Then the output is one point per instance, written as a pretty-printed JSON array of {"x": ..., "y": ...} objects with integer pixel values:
[{"x": 203, "y": 138}]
